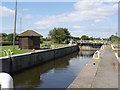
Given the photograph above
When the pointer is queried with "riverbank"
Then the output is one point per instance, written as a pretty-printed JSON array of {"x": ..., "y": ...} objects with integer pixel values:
[
  {"x": 8, "y": 49},
  {"x": 20, "y": 62},
  {"x": 104, "y": 74}
]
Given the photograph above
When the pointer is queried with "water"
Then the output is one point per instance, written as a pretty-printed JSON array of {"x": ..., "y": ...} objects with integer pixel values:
[{"x": 58, "y": 73}]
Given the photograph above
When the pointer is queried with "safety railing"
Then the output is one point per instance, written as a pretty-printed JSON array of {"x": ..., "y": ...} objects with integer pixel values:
[{"x": 96, "y": 55}]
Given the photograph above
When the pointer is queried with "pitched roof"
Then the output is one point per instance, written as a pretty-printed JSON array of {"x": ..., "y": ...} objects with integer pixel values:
[{"x": 30, "y": 33}]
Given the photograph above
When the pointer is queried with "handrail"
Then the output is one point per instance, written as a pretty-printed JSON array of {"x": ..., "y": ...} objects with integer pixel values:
[
  {"x": 6, "y": 81},
  {"x": 93, "y": 41},
  {"x": 102, "y": 47},
  {"x": 98, "y": 55}
]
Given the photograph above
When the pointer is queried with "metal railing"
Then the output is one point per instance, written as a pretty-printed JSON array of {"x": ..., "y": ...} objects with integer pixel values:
[
  {"x": 93, "y": 41},
  {"x": 96, "y": 55}
]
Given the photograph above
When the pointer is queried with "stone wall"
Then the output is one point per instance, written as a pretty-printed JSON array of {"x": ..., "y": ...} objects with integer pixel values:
[{"x": 20, "y": 62}]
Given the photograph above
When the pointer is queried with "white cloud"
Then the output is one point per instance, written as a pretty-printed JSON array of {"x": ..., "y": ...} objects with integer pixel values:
[
  {"x": 78, "y": 27},
  {"x": 84, "y": 11},
  {"x": 28, "y": 16},
  {"x": 54, "y": 0},
  {"x": 98, "y": 20},
  {"x": 7, "y": 29},
  {"x": 5, "y": 12},
  {"x": 25, "y": 9},
  {"x": 92, "y": 24},
  {"x": 110, "y": 0},
  {"x": 95, "y": 32}
]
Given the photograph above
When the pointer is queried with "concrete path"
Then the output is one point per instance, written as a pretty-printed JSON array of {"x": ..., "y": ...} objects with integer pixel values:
[
  {"x": 104, "y": 74},
  {"x": 107, "y": 73}
]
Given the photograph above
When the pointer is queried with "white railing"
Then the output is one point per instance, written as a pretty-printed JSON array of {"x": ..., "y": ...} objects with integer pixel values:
[
  {"x": 6, "y": 81},
  {"x": 102, "y": 47},
  {"x": 116, "y": 54},
  {"x": 98, "y": 55},
  {"x": 94, "y": 41}
]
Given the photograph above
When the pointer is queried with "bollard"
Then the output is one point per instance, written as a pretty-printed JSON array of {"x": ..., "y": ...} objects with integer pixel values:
[{"x": 6, "y": 81}]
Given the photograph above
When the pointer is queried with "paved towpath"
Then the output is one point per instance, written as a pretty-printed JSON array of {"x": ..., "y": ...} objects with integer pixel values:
[
  {"x": 107, "y": 73},
  {"x": 102, "y": 75}
]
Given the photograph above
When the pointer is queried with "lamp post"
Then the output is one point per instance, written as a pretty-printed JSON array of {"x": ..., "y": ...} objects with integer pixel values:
[{"x": 14, "y": 35}]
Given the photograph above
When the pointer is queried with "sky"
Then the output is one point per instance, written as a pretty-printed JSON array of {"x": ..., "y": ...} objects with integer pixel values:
[{"x": 92, "y": 18}]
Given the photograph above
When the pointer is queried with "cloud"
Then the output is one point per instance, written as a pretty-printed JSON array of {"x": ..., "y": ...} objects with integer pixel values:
[
  {"x": 94, "y": 32},
  {"x": 98, "y": 20},
  {"x": 5, "y": 12},
  {"x": 78, "y": 27},
  {"x": 6, "y": 29},
  {"x": 92, "y": 24},
  {"x": 110, "y": 0},
  {"x": 84, "y": 11},
  {"x": 55, "y": 0},
  {"x": 25, "y": 9},
  {"x": 28, "y": 16}
]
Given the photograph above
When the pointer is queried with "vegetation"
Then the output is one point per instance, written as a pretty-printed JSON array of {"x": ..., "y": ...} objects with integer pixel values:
[
  {"x": 51, "y": 45},
  {"x": 8, "y": 37},
  {"x": 117, "y": 46},
  {"x": 16, "y": 51},
  {"x": 115, "y": 39},
  {"x": 118, "y": 53},
  {"x": 59, "y": 35},
  {"x": 84, "y": 37}
]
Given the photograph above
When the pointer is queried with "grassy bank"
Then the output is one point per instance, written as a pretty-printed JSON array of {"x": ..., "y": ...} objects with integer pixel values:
[
  {"x": 51, "y": 45},
  {"x": 16, "y": 51},
  {"x": 117, "y": 47},
  {"x": 119, "y": 54}
]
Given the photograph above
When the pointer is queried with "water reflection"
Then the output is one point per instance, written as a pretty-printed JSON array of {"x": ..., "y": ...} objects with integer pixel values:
[
  {"x": 54, "y": 74},
  {"x": 86, "y": 53}
]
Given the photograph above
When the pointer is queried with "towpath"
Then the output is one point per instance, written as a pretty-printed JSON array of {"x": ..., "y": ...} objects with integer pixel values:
[
  {"x": 107, "y": 73},
  {"x": 104, "y": 74}
]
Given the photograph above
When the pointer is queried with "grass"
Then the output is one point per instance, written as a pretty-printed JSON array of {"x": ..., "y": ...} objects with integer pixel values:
[
  {"x": 16, "y": 51},
  {"x": 58, "y": 45},
  {"x": 118, "y": 53},
  {"x": 114, "y": 64},
  {"x": 52, "y": 45},
  {"x": 117, "y": 47}
]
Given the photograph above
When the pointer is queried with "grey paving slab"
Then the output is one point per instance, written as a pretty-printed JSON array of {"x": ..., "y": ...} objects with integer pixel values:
[{"x": 107, "y": 73}]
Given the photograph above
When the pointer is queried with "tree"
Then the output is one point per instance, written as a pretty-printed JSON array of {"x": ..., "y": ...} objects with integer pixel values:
[
  {"x": 10, "y": 37},
  {"x": 113, "y": 37},
  {"x": 97, "y": 39},
  {"x": 4, "y": 36},
  {"x": 91, "y": 38},
  {"x": 84, "y": 37},
  {"x": 59, "y": 35}
]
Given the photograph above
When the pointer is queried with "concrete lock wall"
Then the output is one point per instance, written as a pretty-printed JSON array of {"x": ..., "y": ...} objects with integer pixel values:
[{"x": 20, "y": 62}]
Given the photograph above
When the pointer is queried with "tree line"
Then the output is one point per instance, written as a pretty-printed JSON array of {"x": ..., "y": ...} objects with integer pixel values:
[
  {"x": 7, "y": 37},
  {"x": 60, "y": 36}
]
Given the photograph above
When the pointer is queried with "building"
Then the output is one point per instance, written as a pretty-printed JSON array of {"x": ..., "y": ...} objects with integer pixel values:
[{"x": 29, "y": 40}]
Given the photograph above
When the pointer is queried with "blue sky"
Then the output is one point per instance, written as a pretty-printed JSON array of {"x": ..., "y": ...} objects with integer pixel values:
[{"x": 96, "y": 19}]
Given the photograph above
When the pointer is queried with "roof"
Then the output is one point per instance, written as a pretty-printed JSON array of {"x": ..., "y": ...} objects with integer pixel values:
[{"x": 30, "y": 33}]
